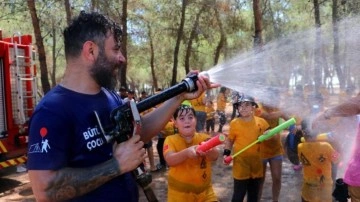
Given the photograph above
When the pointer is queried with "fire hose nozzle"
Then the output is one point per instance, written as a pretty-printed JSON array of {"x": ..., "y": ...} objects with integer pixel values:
[{"x": 204, "y": 73}]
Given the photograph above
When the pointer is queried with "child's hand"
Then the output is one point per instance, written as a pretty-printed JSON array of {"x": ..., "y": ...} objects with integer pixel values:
[
  {"x": 226, "y": 162},
  {"x": 207, "y": 153},
  {"x": 201, "y": 153},
  {"x": 212, "y": 154},
  {"x": 191, "y": 152},
  {"x": 226, "y": 154}
]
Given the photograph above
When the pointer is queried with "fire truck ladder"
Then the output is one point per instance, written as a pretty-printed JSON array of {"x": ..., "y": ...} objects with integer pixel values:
[{"x": 24, "y": 72}]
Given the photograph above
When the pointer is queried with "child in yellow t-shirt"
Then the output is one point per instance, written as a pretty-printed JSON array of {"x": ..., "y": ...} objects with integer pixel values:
[
  {"x": 272, "y": 149},
  {"x": 221, "y": 105},
  {"x": 189, "y": 177},
  {"x": 199, "y": 105},
  {"x": 317, "y": 158},
  {"x": 210, "y": 117},
  {"x": 169, "y": 129},
  {"x": 247, "y": 166}
]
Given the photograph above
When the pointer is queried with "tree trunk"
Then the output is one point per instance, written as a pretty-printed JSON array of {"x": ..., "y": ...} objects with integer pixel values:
[
  {"x": 258, "y": 42},
  {"x": 68, "y": 11},
  {"x": 191, "y": 38},
  {"x": 152, "y": 58},
  {"x": 335, "y": 20},
  {"x": 53, "y": 75},
  {"x": 277, "y": 30},
  {"x": 44, "y": 77},
  {"x": 177, "y": 46},
  {"x": 94, "y": 5},
  {"x": 222, "y": 40},
  {"x": 317, "y": 55},
  {"x": 124, "y": 43}
]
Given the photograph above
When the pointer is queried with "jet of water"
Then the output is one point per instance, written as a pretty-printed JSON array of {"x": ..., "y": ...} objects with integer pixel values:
[
  {"x": 271, "y": 76},
  {"x": 288, "y": 61}
]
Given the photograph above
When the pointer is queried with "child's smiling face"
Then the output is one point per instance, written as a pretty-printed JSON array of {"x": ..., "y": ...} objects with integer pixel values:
[
  {"x": 246, "y": 109},
  {"x": 186, "y": 123}
]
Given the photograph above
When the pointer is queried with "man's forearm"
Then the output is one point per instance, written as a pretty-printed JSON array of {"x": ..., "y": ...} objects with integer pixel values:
[
  {"x": 155, "y": 121},
  {"x": 349, "y": 108},
  {"x": 73, "y": 182}
]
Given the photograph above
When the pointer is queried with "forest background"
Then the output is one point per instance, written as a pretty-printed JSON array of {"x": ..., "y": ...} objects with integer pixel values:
[{"x": 165, "y": 39}]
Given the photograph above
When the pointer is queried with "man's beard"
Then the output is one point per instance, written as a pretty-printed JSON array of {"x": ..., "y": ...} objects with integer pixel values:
[{"x": 104, "y": 72}]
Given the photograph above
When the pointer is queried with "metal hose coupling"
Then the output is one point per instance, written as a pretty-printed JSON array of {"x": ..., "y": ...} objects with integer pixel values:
[{"x": 190, "y": 81}]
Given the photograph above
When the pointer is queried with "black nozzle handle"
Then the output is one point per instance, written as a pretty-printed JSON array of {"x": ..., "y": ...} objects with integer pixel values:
[
  {"x": 123, "y": 112},
  {"x": 186, "y": 85}
]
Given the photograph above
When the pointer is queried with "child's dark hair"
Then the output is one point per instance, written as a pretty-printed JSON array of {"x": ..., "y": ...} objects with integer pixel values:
[
  {"x": 183, "y": 108},
  {"x": 306, "y": 130},
  {"x": 89, "y": 27}
]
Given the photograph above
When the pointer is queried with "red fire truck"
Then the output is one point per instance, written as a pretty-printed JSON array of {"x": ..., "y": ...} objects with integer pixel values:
[{"x": 18, "y": 96}]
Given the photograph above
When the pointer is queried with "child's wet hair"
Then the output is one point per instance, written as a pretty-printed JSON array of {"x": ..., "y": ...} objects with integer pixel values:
[
  {"x": 183, "y": 108},
  {"x": 306, "y": 130}
]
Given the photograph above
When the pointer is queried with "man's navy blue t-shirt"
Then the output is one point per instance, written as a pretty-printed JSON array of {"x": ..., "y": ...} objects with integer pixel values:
[{"x": 64, "y": 133}]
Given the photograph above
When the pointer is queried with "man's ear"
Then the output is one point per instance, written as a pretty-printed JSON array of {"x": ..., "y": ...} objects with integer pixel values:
[{"x": 90, "y": 51}]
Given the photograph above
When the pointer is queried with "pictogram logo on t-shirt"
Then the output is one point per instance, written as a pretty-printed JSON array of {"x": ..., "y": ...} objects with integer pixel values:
[{"x": 43, "y": 146}]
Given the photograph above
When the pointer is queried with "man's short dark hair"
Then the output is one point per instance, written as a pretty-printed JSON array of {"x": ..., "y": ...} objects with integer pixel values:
[{"x": 89, "y": 27}]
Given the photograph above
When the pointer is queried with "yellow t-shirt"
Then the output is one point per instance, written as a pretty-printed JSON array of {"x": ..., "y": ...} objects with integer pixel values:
[
  {"x": 192, "y": 175},
  {"x": 221, "y": 102},
  {"x": 271, "y": 147},
  {"x": 199, "y": 103},
  {"x": 168, "y": 129},
  {"x": 247, "y": 164},
  {"x": 316, "y": 158},
  {"x": 210, "y": 112}
]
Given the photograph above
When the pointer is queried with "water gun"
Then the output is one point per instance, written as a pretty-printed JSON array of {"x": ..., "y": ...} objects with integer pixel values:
[
  {"x": 263, "y": 137},
  {"x": 211, "y": 143},
  {"x": 280, "y": 121}
]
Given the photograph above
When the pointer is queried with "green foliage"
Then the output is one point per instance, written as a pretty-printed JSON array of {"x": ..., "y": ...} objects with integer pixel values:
[
  {"x": 13, "y": 16},
  {"x": 159, "y": 19}
]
